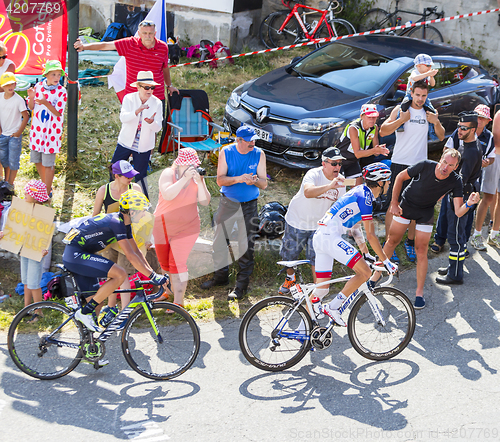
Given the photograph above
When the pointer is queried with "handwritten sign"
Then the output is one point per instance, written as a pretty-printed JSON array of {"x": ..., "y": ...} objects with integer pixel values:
[{"x": 29, "y": 229}]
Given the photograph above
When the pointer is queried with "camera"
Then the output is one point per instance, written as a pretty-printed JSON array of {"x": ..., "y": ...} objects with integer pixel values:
[{"x": 201, "y": 171}]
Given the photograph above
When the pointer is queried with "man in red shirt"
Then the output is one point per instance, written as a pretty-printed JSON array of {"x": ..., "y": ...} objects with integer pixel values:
[{"x": 143, "y": 53}]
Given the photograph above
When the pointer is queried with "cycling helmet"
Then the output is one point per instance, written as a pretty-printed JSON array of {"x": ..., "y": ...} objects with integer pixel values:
[
  {"x": 271, "y": 224},
  {"x": 273, "y": 206},
  {"x": 133, "y": 200},
  {"x": 376, "y": 172}
]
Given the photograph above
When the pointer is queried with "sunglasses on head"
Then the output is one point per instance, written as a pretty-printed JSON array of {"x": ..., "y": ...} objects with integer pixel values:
[
  {"x": 146, "y": 23},
  {"x": 463, "y": 127},
  {"x": 3, "y": 57},
  {"x": 147, "y": 88}
]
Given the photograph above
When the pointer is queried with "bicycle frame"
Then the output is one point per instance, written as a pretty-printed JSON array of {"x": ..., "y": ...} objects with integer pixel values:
[{"x": 323, "y": 12}]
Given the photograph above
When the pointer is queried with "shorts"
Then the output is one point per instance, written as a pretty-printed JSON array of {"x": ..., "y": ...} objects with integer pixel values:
[
  {"x": 424, "y": 218},
  {"x": 86, "y": 267},
  {"x": 395, "y": 169},
  {"x": 120, "y": 259},
  {"x": 10, "y": 151},
  {"x": 329, "y": 247},
  {"x": 47, "y": 159},
  {"x": 31, "y": 273},
  {"x": 173, "y": 250},
  {"x": 490, "y": 179},
  {"x": 351, "y": 169},
  {"x": 294, "y": 241}
]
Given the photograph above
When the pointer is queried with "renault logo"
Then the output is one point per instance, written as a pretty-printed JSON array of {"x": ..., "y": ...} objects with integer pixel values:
[{"x": 262, "y": 114}]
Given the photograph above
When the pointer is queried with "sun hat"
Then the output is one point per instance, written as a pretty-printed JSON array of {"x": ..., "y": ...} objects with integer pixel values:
[
  {"x": 37, "y": 190},
  {"x": 247, "y": 133},
  {"x": 7, "y": 78},
  {"x": 187, "y": 157},
  {"x": 145, "y": 77},
  {"x": 481, "y": 110},
  {"x": 423, "y": 59},
  {"x": 124, "y": 168},
  {"x": 332, "y": 153},
  {"x": 53, "y": 65},
  {"x": 370, "y": 110}
]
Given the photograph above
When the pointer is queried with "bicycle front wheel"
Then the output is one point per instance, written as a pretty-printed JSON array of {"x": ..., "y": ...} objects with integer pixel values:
[
  {"x": 338, "y": 28},
  {"x": 48, "y": 348},
  {"x": 374, "y": 19},
  {"x": 289, "y": 35},
  {"x": 168, "y": 354},
  {"x": 428, "y": 33},
  {"x": 380, "y": 342},
  {"x": 274, "y": 334}
]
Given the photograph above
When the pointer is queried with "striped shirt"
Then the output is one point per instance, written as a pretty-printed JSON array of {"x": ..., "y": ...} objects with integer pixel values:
[{"x": 139, "y": 58}]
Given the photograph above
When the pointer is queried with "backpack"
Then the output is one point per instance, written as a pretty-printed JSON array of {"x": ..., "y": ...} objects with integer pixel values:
[{"x": 115, "y": 31}]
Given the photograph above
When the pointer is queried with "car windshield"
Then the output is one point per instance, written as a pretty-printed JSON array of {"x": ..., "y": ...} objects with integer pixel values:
[{"x": 350, "y": 69}]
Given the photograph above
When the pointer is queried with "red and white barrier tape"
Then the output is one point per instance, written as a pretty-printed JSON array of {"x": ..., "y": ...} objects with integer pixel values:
[{"x": 324, "y": 40}]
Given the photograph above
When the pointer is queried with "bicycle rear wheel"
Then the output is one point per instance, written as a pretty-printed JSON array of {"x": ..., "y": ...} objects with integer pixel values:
[
  {"x": 374, "y": 341},
  {"x": 290, "y": 34},
  {"x": 264, "y": 31},
  {"x": 167, "y": 355},
  {"x": 428, "y": 33},
  {"x": 274, "y": 334},
  {"x": 338, "y": 26},
  {"x": 375, "y": 18},
  {"x": 35, "y": 350}
]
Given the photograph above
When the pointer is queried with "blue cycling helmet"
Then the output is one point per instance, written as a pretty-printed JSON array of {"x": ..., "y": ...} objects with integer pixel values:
[{"x": 377, "y": 172}]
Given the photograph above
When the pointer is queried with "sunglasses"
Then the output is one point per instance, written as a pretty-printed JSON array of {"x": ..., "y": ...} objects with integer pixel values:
[
  {"x": 335, "y": 163},
  {"x": 147, "y": 88},
  {"x": 463, "y": 127},
  {"x": 3, "y": 57}
]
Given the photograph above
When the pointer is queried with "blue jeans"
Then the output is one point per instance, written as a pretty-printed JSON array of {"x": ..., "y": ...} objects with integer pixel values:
[
  {"x": 10, "y": 151},
  {"x": 294, "y": 241}
]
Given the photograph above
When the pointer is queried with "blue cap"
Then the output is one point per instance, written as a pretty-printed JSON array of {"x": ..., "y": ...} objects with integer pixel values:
[{"x": 247, "y": 133}]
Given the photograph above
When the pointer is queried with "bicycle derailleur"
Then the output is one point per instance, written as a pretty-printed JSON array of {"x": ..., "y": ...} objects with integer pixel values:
[{"x": 321, "y": 338}]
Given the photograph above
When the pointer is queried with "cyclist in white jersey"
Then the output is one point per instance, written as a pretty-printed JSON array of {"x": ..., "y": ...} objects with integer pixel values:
[{"x": 347, "y": 213}]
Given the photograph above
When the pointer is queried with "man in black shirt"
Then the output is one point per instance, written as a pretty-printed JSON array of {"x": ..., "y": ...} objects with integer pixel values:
[
  {"x": 430, "y": 181},
  {"x": 470, "y": 171}
]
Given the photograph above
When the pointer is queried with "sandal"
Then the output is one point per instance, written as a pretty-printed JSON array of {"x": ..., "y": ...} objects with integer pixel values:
[
  {"x": 436, "y": 248},
  {"x": 168, "y": 311},
  {"x": 35, "y": 317}
]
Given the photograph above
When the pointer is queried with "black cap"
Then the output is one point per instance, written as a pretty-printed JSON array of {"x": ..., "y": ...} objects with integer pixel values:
[
  {"x": 468, "y": 117},
  {"x": 332, "y": 153}
]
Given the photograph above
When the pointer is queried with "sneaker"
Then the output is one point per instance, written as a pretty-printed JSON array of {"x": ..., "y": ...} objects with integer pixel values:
[
  {"x": 478, "y": 242},
  {"x": 88, "y": 320},
  {"x": 334, "y": 314},
  {"x": 213, "y": 282},
  {"x": 494, "y": 240},
  {"x": 237, "y": 294},
  {"x": 394, "y": 257},
  {"x": 410, "y": 252},
  {"x": 419, "y": 302},
  {"x": 109, "y": 315},
  {"x": 101, "y": 363},
  {"x": 285, "y": 287}
]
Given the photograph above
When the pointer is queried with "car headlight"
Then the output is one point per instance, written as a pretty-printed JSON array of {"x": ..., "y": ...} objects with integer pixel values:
[
  {"x": 316, "y": 125},
  {"x": 235, "y": 97}
]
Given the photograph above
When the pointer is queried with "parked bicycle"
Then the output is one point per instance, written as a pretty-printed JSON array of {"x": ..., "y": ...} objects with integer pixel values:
[
  {"x": 277, "y": 332},
  {"x": 301, "y": 23},
  {"x": 160, "y": 340},
  {"x": 378, "y": 18}
]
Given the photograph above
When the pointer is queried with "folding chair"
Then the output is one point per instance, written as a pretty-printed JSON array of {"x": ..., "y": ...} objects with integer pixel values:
[{"x": 189, "y": 123}]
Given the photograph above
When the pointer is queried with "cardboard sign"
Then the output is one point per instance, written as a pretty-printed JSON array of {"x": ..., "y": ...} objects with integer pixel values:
[
  {"x": 142, "y": 232},
  {"x": 29, "y": 229}
]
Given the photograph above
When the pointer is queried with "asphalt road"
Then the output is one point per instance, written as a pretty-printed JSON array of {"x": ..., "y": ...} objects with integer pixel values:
[{"x": 444, "y": 386}]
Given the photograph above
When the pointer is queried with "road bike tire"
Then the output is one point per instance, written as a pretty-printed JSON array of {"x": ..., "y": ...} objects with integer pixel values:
[
  {"x": 431, "y": 34},
  {"x": 264, "y": 31},
  {"x": 177, "y": 351},
  {"x": 259, "y": 327},
  {"x": 339, "y": 27},
  {"x": 31, "y": 352},
  {"x": 292, "y": 33},
  {"x": 374, "y": 19},
  {"x": 377, "y": 342}
]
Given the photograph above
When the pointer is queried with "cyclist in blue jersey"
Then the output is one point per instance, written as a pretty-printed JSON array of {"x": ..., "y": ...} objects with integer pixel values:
[
  {"x": 95, "y": 235},
  {"x": 354, "y": 208}
]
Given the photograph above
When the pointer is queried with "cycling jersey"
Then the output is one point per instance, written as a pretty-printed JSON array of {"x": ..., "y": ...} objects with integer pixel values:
[
  {"x": 96, "y": 233},
  {"x": 355, "y": 206}
]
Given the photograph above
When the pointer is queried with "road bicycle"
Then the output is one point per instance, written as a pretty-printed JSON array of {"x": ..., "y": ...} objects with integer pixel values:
[
  {"x": 283, "y": 28},
  {"x": 160, "y": 340},
  {"x": 378, "y": 18},
  {"x": 277, "y": 332}
]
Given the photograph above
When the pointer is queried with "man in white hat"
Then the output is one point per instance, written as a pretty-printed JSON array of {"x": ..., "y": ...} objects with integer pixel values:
[{"x": 141, "y": 116}]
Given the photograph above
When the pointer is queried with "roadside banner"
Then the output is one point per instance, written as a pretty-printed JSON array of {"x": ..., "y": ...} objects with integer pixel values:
[
  {"x": 29, "y": 229},
  {"x": 34, "y": 32}
]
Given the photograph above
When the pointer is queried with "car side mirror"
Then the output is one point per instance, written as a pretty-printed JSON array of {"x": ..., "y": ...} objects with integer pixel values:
[
  {"x": 397, "y": 97},
  {"x": 295, "y": 60}
]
